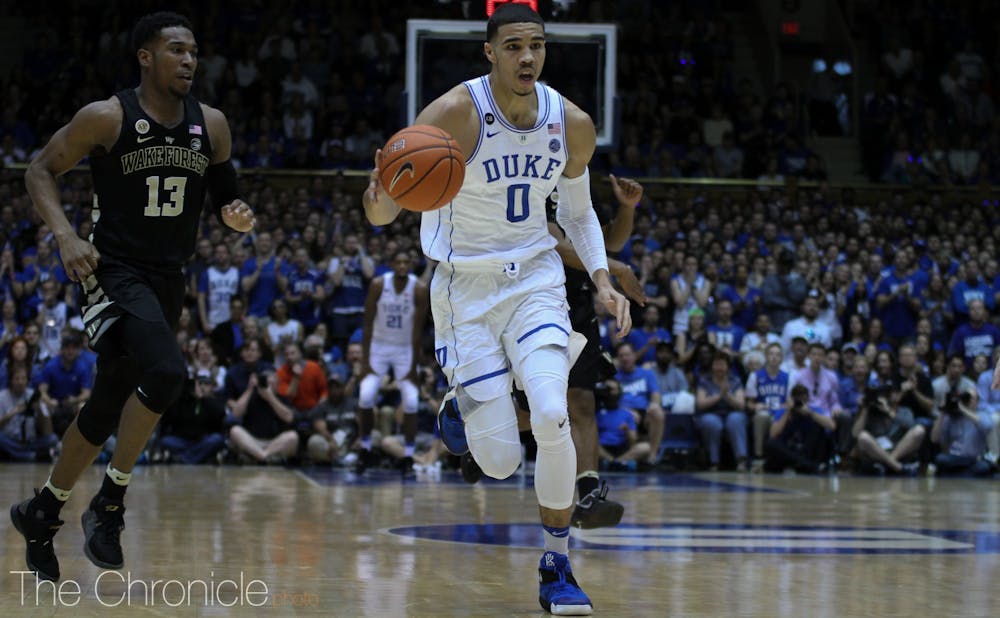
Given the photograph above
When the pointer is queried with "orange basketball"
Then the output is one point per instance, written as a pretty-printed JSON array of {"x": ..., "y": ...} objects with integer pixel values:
[{"x": 422, "y": 168}]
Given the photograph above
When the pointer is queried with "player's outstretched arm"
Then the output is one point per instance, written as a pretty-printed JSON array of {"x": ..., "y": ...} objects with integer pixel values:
[
  {"x": 96, "y": 125},
  {"x": 628, "y": 193}
]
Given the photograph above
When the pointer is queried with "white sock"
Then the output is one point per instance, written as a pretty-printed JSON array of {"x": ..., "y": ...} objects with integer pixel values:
[
  {"x": 556, "y": 539},
  {"x": 118, "y": 477},
  {"x": 61, "y": 495}
]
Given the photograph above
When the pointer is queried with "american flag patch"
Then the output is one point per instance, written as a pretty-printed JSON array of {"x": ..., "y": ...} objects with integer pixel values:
[
  {"x": 555, "y": 128},
  {"x": 194, "y": 129}
]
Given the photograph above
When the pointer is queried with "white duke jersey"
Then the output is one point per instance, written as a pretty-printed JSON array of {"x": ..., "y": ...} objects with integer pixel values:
[
  {"x": 393, "y": 324},
  {"x": 221, "y": 287},
  {"x": 499, "y": 214}
]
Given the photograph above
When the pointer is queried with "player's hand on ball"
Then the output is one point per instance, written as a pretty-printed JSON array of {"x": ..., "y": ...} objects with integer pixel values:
[
  {"x": 627, "y": 191},
  {"x": 79, "y": 257},
  {"x": 238, "y": 216},
  {"x": 374, "y": 190}
]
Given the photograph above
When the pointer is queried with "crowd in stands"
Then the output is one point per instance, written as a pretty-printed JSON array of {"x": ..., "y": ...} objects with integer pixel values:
[
  {"x": 318, "y": 85},
  {"x": 931, "y": 115},
  {"x": 782, "y": 328}
]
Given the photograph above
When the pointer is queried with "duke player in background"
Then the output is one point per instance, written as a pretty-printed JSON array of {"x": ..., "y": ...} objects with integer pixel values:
[
  {"x": 498, "y": 296},
  {"x": 395, "y": 312},
  {"x": 154, "y": 151}
]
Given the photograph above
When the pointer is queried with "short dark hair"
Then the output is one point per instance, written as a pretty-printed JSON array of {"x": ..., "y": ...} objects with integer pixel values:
[
  {"x": 148, "y": 27},
  {"x": 511, "y": 13},
  {"x": 72, "y": 339}
]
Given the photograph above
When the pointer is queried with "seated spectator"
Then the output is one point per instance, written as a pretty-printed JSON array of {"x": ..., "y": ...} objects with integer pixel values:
[
  {"x": 641, "y": 394},
  {"x": 766, "y": 392},
  {"x": 228, "y": 336},
  {"x": 960, "y": 431},
  {"x": 25, "y": 425},
  {"x": 65, "y": 382},
  {"x": 724, "y": 334},
  {"x": 886, "y": 434},
  {"x": 264, "y": 432},
  {"x": 647, "y": 337},
  {"x": 204, "y": 361},
  {"x": 18, "y": 354},
  {"x": 800, "y": 356},
  {"x": 915, "y": 386},
  {"x": 822, "y": 384},
  {"x": 618, "y": 442},
  {"x": 300, "y": 381},
  {"x": 760, "y": 337},
  {"x": 193, "y": 429},
  {"x": 334, "y": 424},
  {"x": 720, "y": 402},
  {"x": 807, "y": 325},
  {"x": 282, "y": 329},
  {"x": 669, "y": 377},
  {"x": 798, "y": 437},
  {"x": 977, "y": 336}
]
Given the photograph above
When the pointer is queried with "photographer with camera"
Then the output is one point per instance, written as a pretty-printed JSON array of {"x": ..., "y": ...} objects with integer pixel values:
[
  {"x": 193, "y": 429},
  {"x": 799, "y": 436},
  {"x": 886, "y": 433},
  {"x": 25, "y": 425},
  {"x": 960, "y": 431},
  {"x": 264, "y": 432}
]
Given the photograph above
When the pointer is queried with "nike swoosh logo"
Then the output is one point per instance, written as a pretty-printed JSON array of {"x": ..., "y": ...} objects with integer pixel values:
[
  {"x": 563, "y": 422},
  {"x": 143, "y": 393},
  {"x": 488, "y": 134},
  {"x": 140, "y": 140},
  {"x": 407, "y": 167}
]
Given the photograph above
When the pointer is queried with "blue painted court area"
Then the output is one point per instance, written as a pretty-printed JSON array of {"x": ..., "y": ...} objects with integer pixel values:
[
  {"x": 667, "y": 482},
  {"x": 724, "y": 538}
]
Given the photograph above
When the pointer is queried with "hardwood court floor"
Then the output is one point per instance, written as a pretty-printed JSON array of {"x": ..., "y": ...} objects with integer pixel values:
[{"x": 324, "y": 544}]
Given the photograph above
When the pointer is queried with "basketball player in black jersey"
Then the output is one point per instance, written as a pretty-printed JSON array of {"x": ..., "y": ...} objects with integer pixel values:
[{"x": 154, "y": 151}]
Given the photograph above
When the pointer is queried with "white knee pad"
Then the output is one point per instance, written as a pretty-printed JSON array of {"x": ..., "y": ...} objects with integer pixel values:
[
  {"x": 491, "y": 429},
  {"x": 545, "y": 373},
  {"x": 368, "y": 390},
  {"x": 410, "y": 395}
]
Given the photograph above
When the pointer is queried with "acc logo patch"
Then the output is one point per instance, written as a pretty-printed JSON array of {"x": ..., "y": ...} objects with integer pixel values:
[
  {"x": 554, "y": 145},
  {"x": 488, "y": 117},
  {"x": 142, "y": 126}
]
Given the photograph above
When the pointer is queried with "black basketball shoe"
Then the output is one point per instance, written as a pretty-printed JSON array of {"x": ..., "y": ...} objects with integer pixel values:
[
  {"x": 37, "y": 532},
  {"x": 103, "y": 523},
  {"x": 594, "y": 510},
  {"x": 471, "y": 472}
]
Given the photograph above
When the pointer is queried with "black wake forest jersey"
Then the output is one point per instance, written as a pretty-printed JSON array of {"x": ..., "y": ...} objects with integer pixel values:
[
  {"x": 579, "y": 288},
  {"x": 150, "y": 187}
]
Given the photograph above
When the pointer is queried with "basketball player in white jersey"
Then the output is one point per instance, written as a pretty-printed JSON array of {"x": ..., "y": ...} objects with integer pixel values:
[
  {"x": 395, "y": 313},
  {"x": 498, "y": 295}
]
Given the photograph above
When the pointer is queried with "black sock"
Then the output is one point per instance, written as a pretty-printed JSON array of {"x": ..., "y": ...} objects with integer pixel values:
[
  {"x": 112, "y": 490},
  {"x": 587, "y": 484},
  {"x": 47, "y": 503}
]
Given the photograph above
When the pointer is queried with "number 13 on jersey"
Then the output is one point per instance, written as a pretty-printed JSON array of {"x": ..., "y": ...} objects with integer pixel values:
[{"x": 174, "y": 187}]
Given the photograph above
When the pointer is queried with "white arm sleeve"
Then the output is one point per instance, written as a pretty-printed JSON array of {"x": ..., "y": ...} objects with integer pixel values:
[{"x": 576, "y": 215}]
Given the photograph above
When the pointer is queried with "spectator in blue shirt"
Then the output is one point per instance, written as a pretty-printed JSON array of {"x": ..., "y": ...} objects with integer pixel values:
[
  {"x": 645, "y": 339},
  {"x": 618, "y": 442},
  {"x": 65, "y": 382},
  {"x": 971, "y": 288},
  {"x": 349, "y": 274},
  {"x": 641, "y": 394},
  {"x": 720, "y": 402},
  {"x": 724, "y": 334},
  {"x": 897, "y": 299},
  {"x": 977, "y": 336},
  {"x": 259, "y": 276},
  {"x": 745, "y": 298},
  {"x": 304, "y": 290}
]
